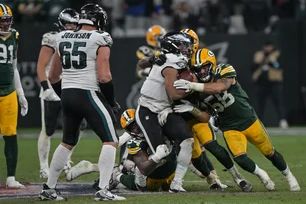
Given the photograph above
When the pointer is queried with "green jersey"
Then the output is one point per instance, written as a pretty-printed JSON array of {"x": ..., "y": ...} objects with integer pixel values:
[
  {"x": 134, "y": 145},
  {"x": 235, "y": 112},
  {"x": 8, "y": 47}
]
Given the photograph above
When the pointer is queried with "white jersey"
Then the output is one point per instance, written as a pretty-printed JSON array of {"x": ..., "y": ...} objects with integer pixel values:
[
  {"x": 153, "y": 92},
  {"x": 78, "y": 50},
  {"x": 49, "y": 40}
]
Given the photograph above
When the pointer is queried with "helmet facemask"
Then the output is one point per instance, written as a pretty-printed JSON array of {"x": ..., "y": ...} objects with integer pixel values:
[
  {"x": 5, "y": 24},
  {"x": 203, "y": 71},
  {"x": 133, "y": 129}
]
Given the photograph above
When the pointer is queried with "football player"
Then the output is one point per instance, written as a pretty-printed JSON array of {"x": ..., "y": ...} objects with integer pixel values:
[
  {"x": 153, "y": 38},
  {"x": 49, "y": 97},
  {"x": 87, "y": 92},
  {"x": 238, "y": 120},
  {"x": 10, "y": 84}
]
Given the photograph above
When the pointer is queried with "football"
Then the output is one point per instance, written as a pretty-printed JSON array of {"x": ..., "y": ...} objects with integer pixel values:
[{"x": 187, "y": 75}]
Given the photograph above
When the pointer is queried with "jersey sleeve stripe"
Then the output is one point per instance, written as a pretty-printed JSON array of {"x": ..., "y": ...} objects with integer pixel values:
[{"x": 227, "y": 70}]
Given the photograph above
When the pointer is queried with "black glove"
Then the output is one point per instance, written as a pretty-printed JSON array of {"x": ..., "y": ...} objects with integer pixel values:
[
  {"x": 116, "y": 108},
  {"x": 159, "y": 60}
]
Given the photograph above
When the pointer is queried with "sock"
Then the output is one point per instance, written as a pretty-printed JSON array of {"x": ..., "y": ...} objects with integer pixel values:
[
  {"x": 183, "y": 160},
  {"x": 220, "y": 153},
  {"x": 286, "y": 171},
  {"x": 106, "y": 164},
  {"x": 278, "y": 161},
  {"x": 128, "y": 180},
  {"x": 195, "y": 171},
  {"x": 245, "y": 163},
  {"x": 11, "y": 154},
  {"x": 95, "y": 167},
  {"x": 208, "y": 162},
  {"x": 43, "y": 146},
  {"x": 200, "y": 164},
  {"x": 256, "y": 170},
  {"x": 59, "y": 159}
]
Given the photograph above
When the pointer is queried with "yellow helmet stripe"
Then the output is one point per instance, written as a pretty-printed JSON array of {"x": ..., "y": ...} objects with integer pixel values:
[
  {"x": 227, "y": 70},
  {"x": 126, "y": 116},
  {"x": 9, "y": 11},
  {"x": 4, "y": 10}
]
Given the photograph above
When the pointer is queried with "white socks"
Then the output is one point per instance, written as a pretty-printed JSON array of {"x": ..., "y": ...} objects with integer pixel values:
[
  {"x": 183, "y": 159},
  {"x": 43, "y": 146},
  {"x": 60, "y": 158},
  {"x": 106, "y": 164},
  {"x": 257, "y": 170},
  {"x": 286, "y": 171}
]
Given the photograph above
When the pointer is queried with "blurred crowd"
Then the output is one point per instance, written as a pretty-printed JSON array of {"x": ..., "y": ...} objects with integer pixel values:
[{"x": 133, "y": 17}]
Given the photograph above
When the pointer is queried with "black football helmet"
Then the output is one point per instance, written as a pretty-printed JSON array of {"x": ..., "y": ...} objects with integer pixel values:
[
  {"x": 67, "y": 16},
  {"x": 177, "y": 43},
  {"x": 93, "y": 14}
]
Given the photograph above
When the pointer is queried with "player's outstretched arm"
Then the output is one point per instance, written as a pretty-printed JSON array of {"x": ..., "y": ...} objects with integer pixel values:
[{"x": 44, "y": 58}]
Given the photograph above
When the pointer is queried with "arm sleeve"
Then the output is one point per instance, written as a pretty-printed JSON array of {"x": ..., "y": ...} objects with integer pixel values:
[{"x": 17, "y": 81}]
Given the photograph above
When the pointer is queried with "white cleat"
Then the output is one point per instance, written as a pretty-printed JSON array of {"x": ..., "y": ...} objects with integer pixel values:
[
  {"x": 176, "y": 187},
  {"x": 83, "y": 167},
  {"x": 44, "y": 173},
  {"x": 107, "y": 195},
  {"x": 50, "y": 194},
  {"x": 12, "y": 183},
  {"x": 214, "y": 181},
  {"x": 265, "y": 179},
  {"x": 293, "y": 184}
]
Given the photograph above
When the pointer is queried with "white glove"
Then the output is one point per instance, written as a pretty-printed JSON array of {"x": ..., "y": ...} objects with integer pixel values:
[
  {"x": 185, "y": 107},
  {"x": 161, "y": 152},
  {"x": 162, "y": 116},
  {"x": 23, "y": 104},
  {"x": 50, "y": 95},
  {"x": 182, "y": 84}
]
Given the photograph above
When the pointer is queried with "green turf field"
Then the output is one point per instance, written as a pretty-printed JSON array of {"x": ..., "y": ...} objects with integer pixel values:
[{"x": 292, "y": 148}]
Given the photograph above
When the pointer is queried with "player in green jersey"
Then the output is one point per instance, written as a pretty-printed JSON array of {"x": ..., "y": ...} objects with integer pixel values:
[
  {"x": 10, "y": 87},
  {"x": 238, "y": 120}
]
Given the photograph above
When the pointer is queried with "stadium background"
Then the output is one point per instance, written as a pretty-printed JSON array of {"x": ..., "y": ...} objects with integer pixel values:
[{"x": 288, "y": 34}]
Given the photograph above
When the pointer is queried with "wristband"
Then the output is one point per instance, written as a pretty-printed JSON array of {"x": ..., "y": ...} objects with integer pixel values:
[
  {"x": 155, "y": 158},
  {"x": 44, "y": 85},
  {"x": 197, "y": 86},
  {"x": 196, "y": 112}
]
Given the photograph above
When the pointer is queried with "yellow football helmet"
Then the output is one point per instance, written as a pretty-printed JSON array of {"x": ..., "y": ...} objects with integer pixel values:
[
  {"x": 6, "y": 19},
  {"x": 128, "y": 123},
  {"x": 204, "y": 64},
  {"x": 195, "y": 38},
  {"x": 154, "y": 35}
]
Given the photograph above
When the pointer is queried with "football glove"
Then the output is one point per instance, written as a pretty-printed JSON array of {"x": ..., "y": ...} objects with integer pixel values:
[
  {"x": 182, "y": 84},
  {"x": 162, "y": 116},
  {"x": 23, "y": 104},
  {"x": 185, "y": 107},
  {"x": 161, "y": 152},
  {"x": 50, "y": 95}
]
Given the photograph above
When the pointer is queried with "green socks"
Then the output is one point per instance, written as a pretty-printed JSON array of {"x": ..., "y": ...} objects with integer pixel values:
[{"x": 11, "y": 154}]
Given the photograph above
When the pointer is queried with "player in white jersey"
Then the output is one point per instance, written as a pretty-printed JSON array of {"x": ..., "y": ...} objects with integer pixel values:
[
  {"x": 49, "y": 97},
  {"x": 82, "y": 57},
  {"x": 157, "y": 95}
]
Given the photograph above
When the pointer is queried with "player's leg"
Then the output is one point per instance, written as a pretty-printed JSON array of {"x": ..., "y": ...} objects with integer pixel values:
[
  {"x": 72, "y": 117},
  {"x": 207, "y": 136},
  {"x": 8, "y": 118},
  {"x": 101, "y": 119},
  {"x": 177, "y": 130},
  {"x": 237, "y": 144},
  {"x": 81, "y": 168},
  {"x": 258, "y": 136},
  {"x": 49, "y": 114}
]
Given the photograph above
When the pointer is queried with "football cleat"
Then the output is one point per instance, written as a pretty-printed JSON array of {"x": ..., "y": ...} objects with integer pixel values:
[
  {"x": 12, "y": 183},
  {"x": 44, "y": 173},
  {"x": 293, "y": 184},
  {"x": 176, "y": 187},
  {"x": 265, "y": 179},
  {"x": 96, "y": 184},
  {"x": 214, "y": 181},
  {"x": 245, "y": 186},
  {"x": 50, "y": 194},
  {"x": 107, "y": 195},
  {"x": 83, "y": 167}
]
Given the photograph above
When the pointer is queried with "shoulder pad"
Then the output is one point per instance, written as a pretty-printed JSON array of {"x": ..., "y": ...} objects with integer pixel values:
[
  {"x": 107, "y": 39},
  {"x": 226, "y": 70},
  {"x": 49, "y": 39},
  {"x": 134, "y": 145},
  {"x": 15, "y": 32},
  {"x": 176, "y": 61}
]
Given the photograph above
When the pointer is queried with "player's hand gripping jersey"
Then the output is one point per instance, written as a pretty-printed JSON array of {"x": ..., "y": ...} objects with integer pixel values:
[
  {"x": 82, "y": 47},
  {"x": 232, "y": 105}
]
